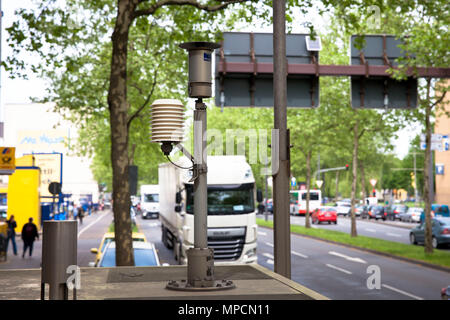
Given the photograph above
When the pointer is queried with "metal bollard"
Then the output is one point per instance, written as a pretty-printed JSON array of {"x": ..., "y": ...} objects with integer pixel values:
[{"x": 59, "y": 251}]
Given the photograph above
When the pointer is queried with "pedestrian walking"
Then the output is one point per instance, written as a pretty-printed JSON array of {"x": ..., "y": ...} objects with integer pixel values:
[
  {"x": 11, "y": 234},
  {"x": 80, "y": 213},
  {"x": 29, "y": 235}
]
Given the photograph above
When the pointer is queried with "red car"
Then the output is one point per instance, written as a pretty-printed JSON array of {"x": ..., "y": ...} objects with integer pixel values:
[{"x": 323, "y": 214}]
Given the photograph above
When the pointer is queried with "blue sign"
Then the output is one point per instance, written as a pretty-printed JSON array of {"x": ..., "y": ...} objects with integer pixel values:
[
  {"x": 293, "y": 182},
  {"x": 439, "y": 168},
  {"x": 446, "y": 142}
]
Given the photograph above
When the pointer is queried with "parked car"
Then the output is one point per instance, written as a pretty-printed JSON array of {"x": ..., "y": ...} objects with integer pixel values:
[
  {"x": 359, "y": 209},
  {"x": 445, "y": 293},
  {"x": 270, "y": 205},
  {"x": 324, "y": 214},
  {"x": 440, "y": 210},
  {"x": 412, "y": 215},
  {"x": 440, "y": 229},
  {"x": 365, "y": 212},
  {"x": 377, "y": 212},
  {"x": 343, "y": 208},
  {"x": 437, "y": 210},
  {"x": 397, "y": 211},
  {"x": 145, "y": 255},
  {"x": 108, "y": 238}
]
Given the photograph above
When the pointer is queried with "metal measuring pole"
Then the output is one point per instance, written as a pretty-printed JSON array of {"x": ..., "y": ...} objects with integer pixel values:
[
  {"x": 282, "y": 235},
  {"x": 200, "y": 259},
  {"x": 59, "y": 252},
  {"x": 200, "y": 172}
]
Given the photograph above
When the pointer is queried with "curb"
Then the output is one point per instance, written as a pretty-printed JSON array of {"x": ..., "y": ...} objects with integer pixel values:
[
  {"x": 386, "y": 223},
  {"x": 384, "y": 254}
]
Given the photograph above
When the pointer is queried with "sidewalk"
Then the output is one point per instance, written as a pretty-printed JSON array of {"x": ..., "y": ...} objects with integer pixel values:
[{"x": 17, "y": 262}]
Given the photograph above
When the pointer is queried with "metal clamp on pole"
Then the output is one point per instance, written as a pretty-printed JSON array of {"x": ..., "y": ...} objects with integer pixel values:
[{"x": 59, "y": 252}]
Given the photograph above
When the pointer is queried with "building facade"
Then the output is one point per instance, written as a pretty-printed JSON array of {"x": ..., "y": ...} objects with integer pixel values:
[
  {"x": 36, "y": 129},
  {"x": 442, "y": 158}
]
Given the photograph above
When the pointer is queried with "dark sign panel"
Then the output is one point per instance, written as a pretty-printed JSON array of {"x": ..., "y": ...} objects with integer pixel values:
[
  {"x": 244, "y": 71},
  {"x": 380, "y": 91}
]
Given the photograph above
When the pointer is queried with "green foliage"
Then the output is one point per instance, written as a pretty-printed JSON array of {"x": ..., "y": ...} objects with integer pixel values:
[{"x": 71, "y": 39}]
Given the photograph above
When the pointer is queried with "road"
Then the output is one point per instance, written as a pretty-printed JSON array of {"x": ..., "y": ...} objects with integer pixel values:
[
  {"x": 332, "y": 270},
  {"x": 342, "y": 273},
  {"x": 336, "y": 271},
  {"x": 391, "y": 231}
]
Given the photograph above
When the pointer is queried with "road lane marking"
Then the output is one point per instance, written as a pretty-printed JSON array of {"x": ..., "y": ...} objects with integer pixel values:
[
  {"x": 268, "y": 255},
  {"x": 299, "y": 254},
  {"x": 359, "y": 260},
  {"x": 337, "y": 268},
  {"x": 401, "y": 292},
  {"x": 393, "y": 234},
  {"x": 269, "y": 244},
  {"x": 370, "y": 230},
  {"x": 91, "y": 224},
  {"x": 154, "y": 224},
  {"x": 262, "y": 233}
]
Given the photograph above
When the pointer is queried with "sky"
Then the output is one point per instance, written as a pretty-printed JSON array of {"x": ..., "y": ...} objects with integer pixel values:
[{"x": 18, "y": 91}]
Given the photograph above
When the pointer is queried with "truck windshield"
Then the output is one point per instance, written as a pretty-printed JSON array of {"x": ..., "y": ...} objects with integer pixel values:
[
  {"x": 225, "y": 200},
  {"x": 151, "y": 197}
]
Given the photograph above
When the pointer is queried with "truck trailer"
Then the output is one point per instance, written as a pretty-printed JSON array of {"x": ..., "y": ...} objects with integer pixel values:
[{"x": 231, "y": 222}]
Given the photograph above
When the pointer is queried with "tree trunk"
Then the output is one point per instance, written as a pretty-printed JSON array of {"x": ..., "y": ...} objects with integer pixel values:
[
  {"x": 354, "y": 177},
  {"x": 426, "y": 174},
  {"x": 337, "y": 186},
  {"x": 118, "y": 109},
  {"x": 363, "y": 180},
  {"x": 308, "y": 186}
]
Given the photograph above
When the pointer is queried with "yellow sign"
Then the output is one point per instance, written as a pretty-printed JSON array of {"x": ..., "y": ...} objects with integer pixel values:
[
  {"x": 23, "y": 196},
  {"x": 51, "y": 167},
  {"x": 7, "y": 160}
]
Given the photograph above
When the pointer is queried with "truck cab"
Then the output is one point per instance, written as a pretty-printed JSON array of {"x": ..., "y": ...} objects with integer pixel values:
[{"x": 232, "y": 208}]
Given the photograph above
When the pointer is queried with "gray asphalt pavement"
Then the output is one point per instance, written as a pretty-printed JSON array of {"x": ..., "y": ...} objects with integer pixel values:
[
  {"x": 342, "y": 273},
  {"x": 332, "y": 270},
  {"x": 389, "y": 230}
]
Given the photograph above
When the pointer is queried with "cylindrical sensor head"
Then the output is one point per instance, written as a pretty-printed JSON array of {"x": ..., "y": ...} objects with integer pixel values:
[{"x": 200, "y": 78}]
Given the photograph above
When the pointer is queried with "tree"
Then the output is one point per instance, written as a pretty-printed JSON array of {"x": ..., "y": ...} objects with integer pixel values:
[
  {"x": 428, "y": 38},
  {"x": 64, "y": 44},
  {"x": 52, "y": 28}
]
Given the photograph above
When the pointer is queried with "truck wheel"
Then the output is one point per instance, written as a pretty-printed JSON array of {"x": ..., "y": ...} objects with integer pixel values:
[{"x": 163, "y": 236}]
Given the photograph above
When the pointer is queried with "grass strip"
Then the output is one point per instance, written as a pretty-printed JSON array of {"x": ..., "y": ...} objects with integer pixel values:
[
  {"x": 438, "y": 257},
  {"x": 111, "y": 228}
]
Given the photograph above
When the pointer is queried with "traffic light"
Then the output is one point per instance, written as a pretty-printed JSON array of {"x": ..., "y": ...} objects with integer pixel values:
[{"x": 346, "y": 167}]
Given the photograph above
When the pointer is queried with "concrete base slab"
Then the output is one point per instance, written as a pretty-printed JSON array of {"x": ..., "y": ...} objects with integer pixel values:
[{"x": 253, "y": 282}]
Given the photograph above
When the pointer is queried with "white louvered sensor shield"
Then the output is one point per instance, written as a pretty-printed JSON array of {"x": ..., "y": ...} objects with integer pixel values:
[{"x": 167, "y": 121}]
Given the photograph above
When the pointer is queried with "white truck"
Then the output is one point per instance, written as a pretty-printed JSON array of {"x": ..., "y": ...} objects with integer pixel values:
[
  {"x": 150, "y": 201},
  {"x": 232, "y": 229}
]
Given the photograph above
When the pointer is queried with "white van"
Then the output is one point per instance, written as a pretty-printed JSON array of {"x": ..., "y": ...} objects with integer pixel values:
[{"x": 150, "y": 201}]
